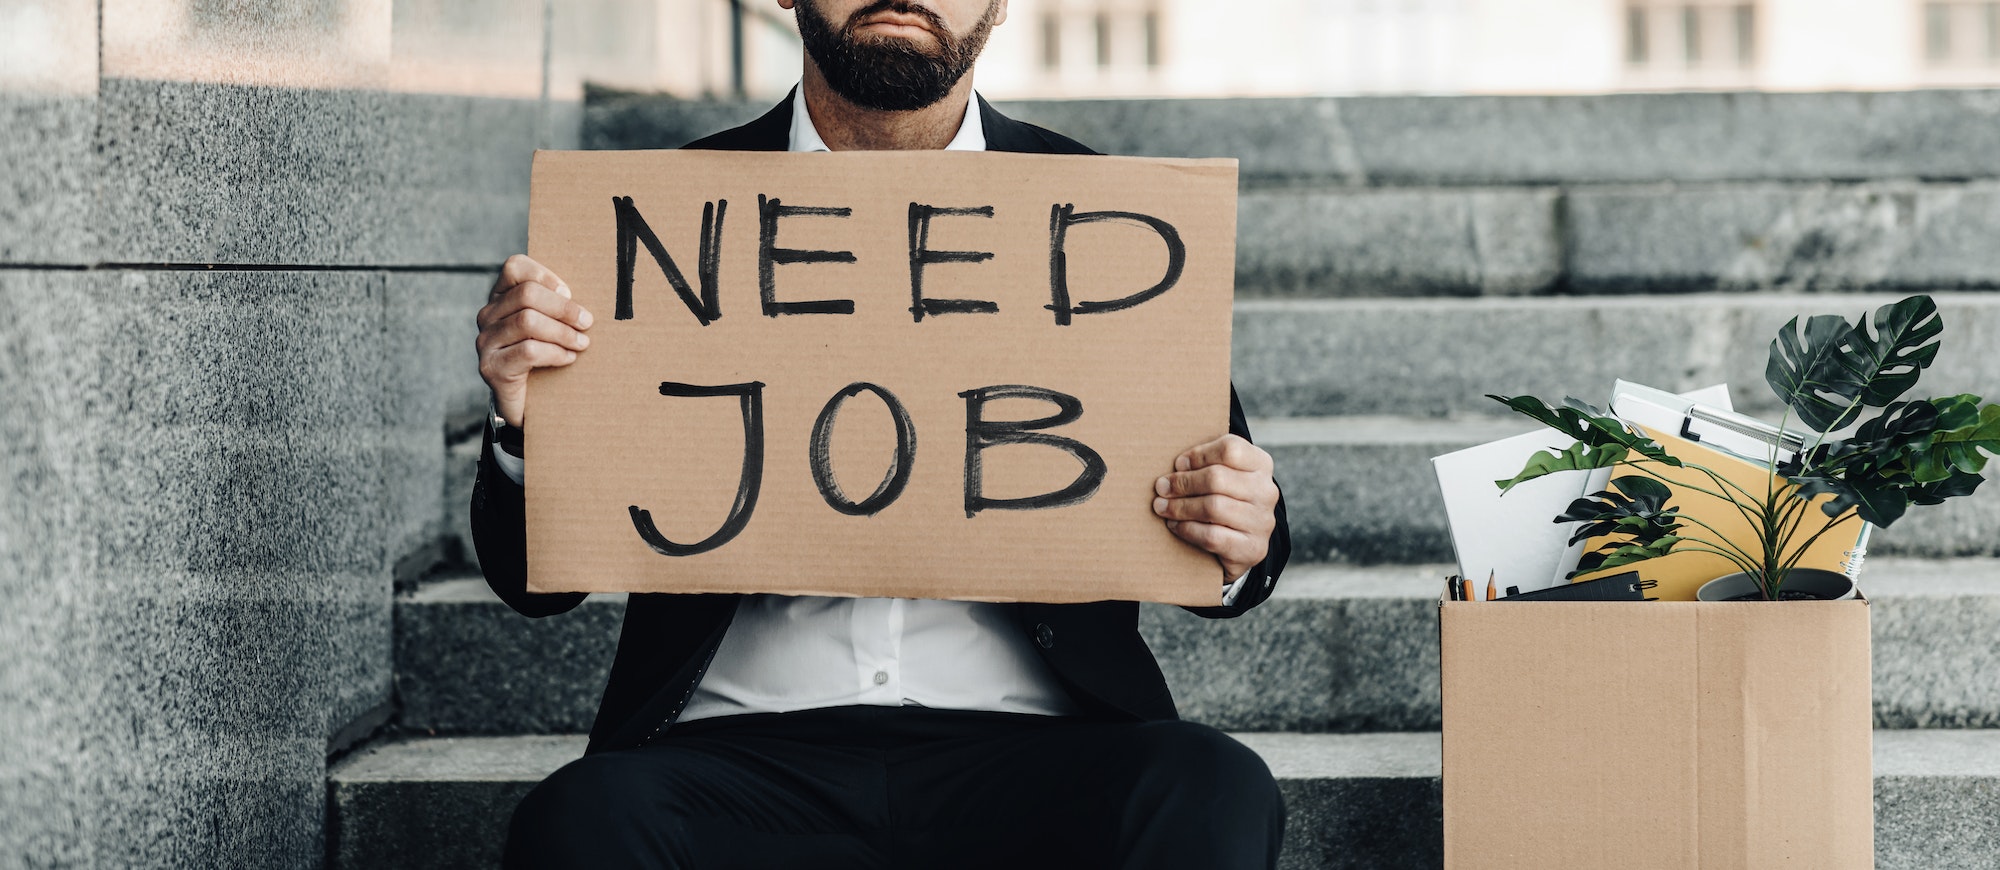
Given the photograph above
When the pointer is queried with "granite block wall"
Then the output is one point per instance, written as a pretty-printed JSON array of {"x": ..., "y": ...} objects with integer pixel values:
[{"x": 237, "y": 280}]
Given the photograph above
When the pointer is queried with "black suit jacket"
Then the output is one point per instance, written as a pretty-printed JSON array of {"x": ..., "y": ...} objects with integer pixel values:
[{"x": 668, "y": 640}]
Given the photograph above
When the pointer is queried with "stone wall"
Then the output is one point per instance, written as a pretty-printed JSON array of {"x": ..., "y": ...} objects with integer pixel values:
[{"x": 235, "y": 341}]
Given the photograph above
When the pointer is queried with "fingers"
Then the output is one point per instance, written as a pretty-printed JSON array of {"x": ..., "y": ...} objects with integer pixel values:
[
  {"x": 1231, "y": 450},
  {"x": 1235, "y": 550},
  {"x": 1220, "y": 510},
  {"x": 1221, "y": 498},
  {"x": 534, "y": 296},
  {"x": 511, "y": 364},
  {"x": 1255, "y": 487},
  {"x": 529, "y": 324},
  {"x": 520, "y": 269}
]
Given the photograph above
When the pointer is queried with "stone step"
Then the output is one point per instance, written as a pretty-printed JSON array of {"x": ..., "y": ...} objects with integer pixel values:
[
  {"x": 1475, "y": 140},
  {"x": 1339, "y": 649},
  {"x": 1315, "y": 241},
  {"x": 1440, "y": 357},
  {"x": 1361, "y": 490},
  {"x": 1352, "y": 800},
  {"x": 1488, "y": 195}
]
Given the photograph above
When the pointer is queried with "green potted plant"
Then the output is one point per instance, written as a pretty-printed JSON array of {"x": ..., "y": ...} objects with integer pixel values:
[{"x": 1830, "y": 375}]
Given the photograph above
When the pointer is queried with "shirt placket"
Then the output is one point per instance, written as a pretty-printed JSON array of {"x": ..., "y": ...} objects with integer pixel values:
[{"x": 878, "y": 647}]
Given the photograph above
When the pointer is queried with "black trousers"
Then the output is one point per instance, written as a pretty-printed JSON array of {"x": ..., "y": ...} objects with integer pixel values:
[{"x": 908, "y": 787}]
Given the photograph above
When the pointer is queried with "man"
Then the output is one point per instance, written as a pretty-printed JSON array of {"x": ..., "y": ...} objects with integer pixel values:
[{"x": 802, "y": 732}]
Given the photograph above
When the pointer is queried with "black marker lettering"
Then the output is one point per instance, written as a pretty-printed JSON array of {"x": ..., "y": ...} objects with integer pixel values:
[
  {"x": 921, "y": 256},
  {"x": 770, "y": 256},
  {"x": 632, "y": 230},
  {"x": 1064, "y": 216},
  {"x": 820, "y": 454},
  {"x": 749, "y": 482},
  {"x": 981, "y": 433}
]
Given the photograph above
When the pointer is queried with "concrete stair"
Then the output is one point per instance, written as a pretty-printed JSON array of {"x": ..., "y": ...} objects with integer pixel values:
[
  {"x": 1438, "y": 358},
  {"x": 1352, "y": 800},
  {"x": 1337, "y": 649},
  {"x": 1428, "y": 196}
]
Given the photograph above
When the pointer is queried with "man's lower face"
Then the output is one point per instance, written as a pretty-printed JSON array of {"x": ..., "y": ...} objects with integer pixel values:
[{"x": 879, "y": 67}]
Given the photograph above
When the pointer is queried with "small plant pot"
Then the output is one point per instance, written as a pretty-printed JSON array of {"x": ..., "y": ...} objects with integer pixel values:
[{"x": 1802, "y": 584}]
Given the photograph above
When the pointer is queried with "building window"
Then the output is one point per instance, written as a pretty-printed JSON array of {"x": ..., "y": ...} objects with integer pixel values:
[
  {"x": 1103, "y": 40},
  {"x": 1691, "y": 34},
  {"x": 1937, "y": 32},
  {"x": 1964, "y": 34},
  {"x": 1746, "y": 35},
  {"x": 1677, "y": 36},
  {"x": 1153, "y": 36},
  {"x": 1052, "y": 41},
  {"x": 1638, "y": 38},
  {"x": 1993, "y": 32}
]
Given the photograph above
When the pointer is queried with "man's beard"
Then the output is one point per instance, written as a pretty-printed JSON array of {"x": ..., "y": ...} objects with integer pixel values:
[{"x": 889, "y": 74}]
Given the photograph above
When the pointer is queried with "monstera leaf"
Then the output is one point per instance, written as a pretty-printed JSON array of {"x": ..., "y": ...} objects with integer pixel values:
[
  {"x": 1964, "y": 430},
  {"x": 1880, "y": 496},
  {"x": 1913, "y": 452},
  {"x": 1832, "y": 370},
  {"x": 1636, "y": 508},
  {"x": 1602, "y": 441},
  {"x": 1575, "y": 457}
]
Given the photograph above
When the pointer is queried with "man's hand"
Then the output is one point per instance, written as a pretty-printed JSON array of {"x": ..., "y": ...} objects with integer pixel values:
[
  {"x": 528, "y": 323},
  {"x": 1220, "y": 497}
]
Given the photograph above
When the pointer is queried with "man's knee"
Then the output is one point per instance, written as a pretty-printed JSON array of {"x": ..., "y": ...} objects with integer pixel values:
[
  {"x": 1200, "y": 799},
  {"x": 591, "y": 805},
  {"x": 1200, "y": 760}
]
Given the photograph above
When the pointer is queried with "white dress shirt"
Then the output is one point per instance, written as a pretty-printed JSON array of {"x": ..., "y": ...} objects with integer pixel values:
[{"x": 784, "y": 653}]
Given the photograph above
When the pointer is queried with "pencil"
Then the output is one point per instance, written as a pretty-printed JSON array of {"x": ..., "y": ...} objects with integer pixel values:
[{"x": 1491, "y": 592}]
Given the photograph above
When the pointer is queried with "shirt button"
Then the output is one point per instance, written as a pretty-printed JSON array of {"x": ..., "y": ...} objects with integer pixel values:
[
  {"x": 1045, "y": 636},
  {"x": 881, "y": 677}
]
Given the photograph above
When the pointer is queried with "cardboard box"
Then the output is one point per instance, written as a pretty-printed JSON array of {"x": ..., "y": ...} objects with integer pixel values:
[{"x": 1707, "y": 735}]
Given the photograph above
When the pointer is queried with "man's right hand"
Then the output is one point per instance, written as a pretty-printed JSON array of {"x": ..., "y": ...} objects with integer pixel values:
[{"x": 528, "y": 323}]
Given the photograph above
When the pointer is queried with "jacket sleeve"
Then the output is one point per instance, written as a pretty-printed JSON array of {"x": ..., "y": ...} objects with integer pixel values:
[
  {"x": 499, "y": 536},
  {"x": 1263, "y": 578}
]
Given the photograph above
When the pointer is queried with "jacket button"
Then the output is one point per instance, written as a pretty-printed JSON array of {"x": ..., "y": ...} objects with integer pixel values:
[{"x": 1045, "y": 636}]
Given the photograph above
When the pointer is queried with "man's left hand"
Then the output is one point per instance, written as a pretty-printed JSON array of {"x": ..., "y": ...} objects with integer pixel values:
[{"x": 1221, "y": 498}]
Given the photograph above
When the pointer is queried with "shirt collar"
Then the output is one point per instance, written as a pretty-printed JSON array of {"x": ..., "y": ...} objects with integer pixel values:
[{"x": 805, "y": 137}]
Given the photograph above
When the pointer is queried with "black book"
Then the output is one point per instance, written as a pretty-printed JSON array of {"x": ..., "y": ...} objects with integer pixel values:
[{"x": 1617, "y": 587}]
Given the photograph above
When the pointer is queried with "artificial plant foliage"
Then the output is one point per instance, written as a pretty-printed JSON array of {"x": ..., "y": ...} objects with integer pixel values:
[
  {"x": 1829, "y": 373},
  {"x": 1602, "y": 440},
  {"x": 1834, "y": 369},
  {"x": 1636, "y": 507}
]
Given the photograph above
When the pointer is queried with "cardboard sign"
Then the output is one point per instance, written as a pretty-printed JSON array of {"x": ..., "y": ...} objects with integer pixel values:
[{"x": 927, "y": 375}]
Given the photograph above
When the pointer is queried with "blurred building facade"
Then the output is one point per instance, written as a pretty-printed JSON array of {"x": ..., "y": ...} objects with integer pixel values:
[
  {"x": 1059, "y": 48},
  {"x": 1046, "y": 49},
  {"x": 1192, "y": 48}
]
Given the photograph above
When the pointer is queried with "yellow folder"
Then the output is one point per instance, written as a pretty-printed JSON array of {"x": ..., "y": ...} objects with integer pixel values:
[{"x": 1680, "y": 573}]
